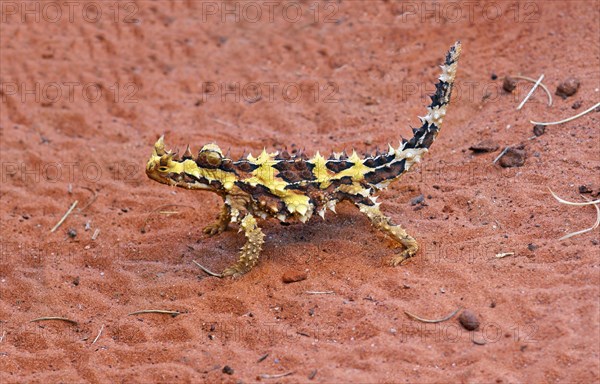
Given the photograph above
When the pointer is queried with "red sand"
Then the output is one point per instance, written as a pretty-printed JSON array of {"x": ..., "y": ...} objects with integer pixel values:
[{"x": 85, "y": 95}]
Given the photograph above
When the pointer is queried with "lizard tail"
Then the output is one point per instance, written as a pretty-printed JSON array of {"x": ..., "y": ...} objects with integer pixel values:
[
  {"x": 432, "y": 122},
  {"x": 384, "y": 169},
  {"x": 380, "y": 170}
]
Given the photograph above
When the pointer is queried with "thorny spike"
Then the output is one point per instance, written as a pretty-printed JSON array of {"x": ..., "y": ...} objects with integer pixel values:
[
  {"x": 391, "y": 149},
  {"x": 164, "y": 160},
  {"x": 188, "y": 153},
  {"x": 302, "y": 154},
  {"x": 159, "y": 147}
]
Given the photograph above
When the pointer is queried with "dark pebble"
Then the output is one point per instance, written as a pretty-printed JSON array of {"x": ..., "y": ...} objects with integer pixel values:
[
  {"x": 509, "y": 84},
  {"x": 468, "y": 320},
  {"x": 417, "y": 200},
  {"x": 26, "y": 216},
  {"x": 494, "y": 76},
  {"x": 576, "y": 105},
  {"x": 484, "y": 146},
  {"x": 228, "y": 370},
  {"x": 513, "y": 157},
  {"x": 567, "y": 88},
  {"x": 584, "y": 189},
  {"x": 76, "y": 281},
  {"x": 539, "y": 130},
  {"x": 293, "y": 276},
  {"x": 72, "y": 233},
  {"x": 532, "y": 247}
]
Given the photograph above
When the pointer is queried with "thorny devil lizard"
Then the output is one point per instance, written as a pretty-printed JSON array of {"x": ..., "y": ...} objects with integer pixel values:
[{"x": 293, "y": 187}]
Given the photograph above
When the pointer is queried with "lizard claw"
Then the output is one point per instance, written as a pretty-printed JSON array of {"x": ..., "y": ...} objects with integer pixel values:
[
  {"x": 214, "y": 229},
  {"x": 403, "y": 257}
]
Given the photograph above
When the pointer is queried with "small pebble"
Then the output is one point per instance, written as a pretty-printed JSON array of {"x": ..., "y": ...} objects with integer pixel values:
[
  {"x": 228, "y": 370},
  {"x": 513, "y": 157},
  {"x": 576, "y": 105},
  {"x": 76, "y": 281},
  {"x": 539, "y": 130},
  {"x": 468, "y": 320},
  {"x": 494, "y": 76},
  {"x": 484, "y": 146},
  {"x": 72, "y": 233},
  {"x": 292, "y": 276},
  {"x": 532, "y": 247},
  {"x": 417, "y": 200},
  {"x": 26, "y": 216},
  {"x": 585, "y": 189},
  {"x": 509, "y": 84},
  {"x": 567, "y": 88}
]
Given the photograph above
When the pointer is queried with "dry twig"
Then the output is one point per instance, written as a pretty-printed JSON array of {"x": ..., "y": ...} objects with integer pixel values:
[
  {"x": 99, "y": 333},
  {"x": 540, "y": 84},
  {"x": 208, "y": 271},
  {"x": 143, "y": 229},
  {"x": 569, "y": 118},
  {"x": 589, "y": 202},
  {"x": 448, "y": 317},
  {"x": 93, "y": 198},
  {"x": 48, "y": 318},
  {"x": 531, "y": 92},
  {"x": 65, "y": 216},
  {"x": 500, "y": 155},
  {"x": 161, "y": 311},
  {"x": 265, "y": 376}
]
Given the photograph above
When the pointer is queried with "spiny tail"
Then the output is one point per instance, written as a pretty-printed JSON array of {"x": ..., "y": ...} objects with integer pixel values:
[
  {"x": 385, "y": 168},
  {"x": 432, "y": 122}
]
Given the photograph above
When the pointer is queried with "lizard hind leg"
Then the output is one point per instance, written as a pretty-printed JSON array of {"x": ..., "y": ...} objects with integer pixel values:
[
  {"x": 396, "y": 232},
  {"x": 250, "y": 251},
  {"x": 221, "y": 224}
]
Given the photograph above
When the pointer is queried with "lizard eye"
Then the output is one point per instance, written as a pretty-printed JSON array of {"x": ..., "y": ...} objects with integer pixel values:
[{"x": 163, "y": 169}]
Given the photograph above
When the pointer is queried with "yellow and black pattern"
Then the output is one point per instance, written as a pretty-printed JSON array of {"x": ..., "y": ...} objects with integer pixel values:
[{"x": 294, "y": 187}]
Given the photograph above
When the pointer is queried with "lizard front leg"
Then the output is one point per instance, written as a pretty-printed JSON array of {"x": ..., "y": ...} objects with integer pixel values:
[
  {"x": 396, "y": 232},
  {"x": 222, "y": 222},
  {"x": 250, "y": 251}
]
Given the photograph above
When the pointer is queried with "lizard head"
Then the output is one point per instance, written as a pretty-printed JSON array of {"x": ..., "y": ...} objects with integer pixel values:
[{"x": 210, "y": 170}]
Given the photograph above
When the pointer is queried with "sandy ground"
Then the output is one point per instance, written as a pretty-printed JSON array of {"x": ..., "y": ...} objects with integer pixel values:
[{"x": 88, "y": 87}]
